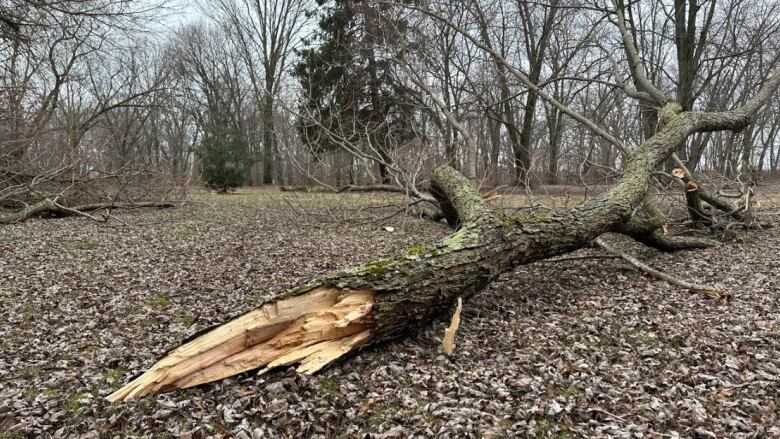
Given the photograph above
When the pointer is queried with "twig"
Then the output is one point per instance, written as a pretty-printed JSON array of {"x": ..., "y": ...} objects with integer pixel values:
[{"x": 579, "y": 258}]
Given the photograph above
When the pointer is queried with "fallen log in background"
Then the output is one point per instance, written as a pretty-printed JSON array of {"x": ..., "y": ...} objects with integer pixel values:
[{"x": 49, "y": 206}]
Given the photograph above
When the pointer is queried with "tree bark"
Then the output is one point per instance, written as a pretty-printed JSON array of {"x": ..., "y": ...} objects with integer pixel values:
[{"x": 269, "y": 139}]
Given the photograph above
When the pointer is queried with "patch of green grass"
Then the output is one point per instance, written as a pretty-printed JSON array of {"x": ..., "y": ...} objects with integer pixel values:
[
  {"x": 33, "y": 392},
  {"x": 145, "y": 404},
  {"x": 74, "y": 402},
  {"x": 30, "y": 372},
  {"x": 187, "y": 321},
  {"x": 328, "y": 386},
  {"x": 81, "y": 245},
  {"x": 115, "y": 375},
  {"x": 160, "y": 301},
  {"x": 568, "y": 391},
  {"x": 649, "y": 339},
  {"x": 183, "y": 233},
  {"x": 30, "y": 392},
  {"x": 145, "y": 323},
  {"x": 549, "y": 428}
]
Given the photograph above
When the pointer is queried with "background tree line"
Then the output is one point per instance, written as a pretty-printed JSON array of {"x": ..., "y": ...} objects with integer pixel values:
[{"x": 346, "y": 92}]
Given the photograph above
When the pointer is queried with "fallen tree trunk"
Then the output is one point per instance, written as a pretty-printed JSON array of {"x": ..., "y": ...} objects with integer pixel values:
[{"x": 322, "y": 320}]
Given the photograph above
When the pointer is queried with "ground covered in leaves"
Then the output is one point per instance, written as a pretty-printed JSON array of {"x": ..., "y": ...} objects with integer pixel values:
[{"x": 586, "y": 347}]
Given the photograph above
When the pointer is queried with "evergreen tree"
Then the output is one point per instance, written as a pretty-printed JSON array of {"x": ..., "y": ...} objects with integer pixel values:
[
  {"x": 224, "y": 156},
  {"x": 350, "y": 89}
]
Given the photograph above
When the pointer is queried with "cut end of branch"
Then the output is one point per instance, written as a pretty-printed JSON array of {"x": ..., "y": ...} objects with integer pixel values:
[
  {"x": 312, "y": 329},
  {"x": 678, "y": 173},
  {"x": 691, "y": 187}
]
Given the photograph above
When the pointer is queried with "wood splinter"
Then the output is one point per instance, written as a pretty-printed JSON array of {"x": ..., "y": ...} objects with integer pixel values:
[
  {"x": 312, "y": 329},
  {"x": 448, "y": 343}
]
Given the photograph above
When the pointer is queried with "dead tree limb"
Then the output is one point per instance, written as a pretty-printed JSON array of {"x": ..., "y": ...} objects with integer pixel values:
[
  {"x": 51, "y": 207},
  {"x": 693, "y": 200},
  {"x": 712, "y": 200},
  {"x": 322, "y": 320},
  {"x": 708, "y": 291}
]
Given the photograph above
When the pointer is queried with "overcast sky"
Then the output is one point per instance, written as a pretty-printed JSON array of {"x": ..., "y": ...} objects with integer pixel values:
[{"x": 179, "y": 12}]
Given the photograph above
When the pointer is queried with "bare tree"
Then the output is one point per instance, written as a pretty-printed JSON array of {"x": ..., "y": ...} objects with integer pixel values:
[{"x": 265, "y": 33}]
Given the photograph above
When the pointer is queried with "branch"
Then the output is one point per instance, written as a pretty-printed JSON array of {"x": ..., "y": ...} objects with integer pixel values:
[{"x": 708, "y": 291}]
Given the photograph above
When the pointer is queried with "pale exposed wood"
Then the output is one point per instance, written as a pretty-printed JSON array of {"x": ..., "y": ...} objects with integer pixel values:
[
  {"x": 314, "y": 328},
  {"x": 315, "y": 357},
  {"x": 448, "y": 344}
]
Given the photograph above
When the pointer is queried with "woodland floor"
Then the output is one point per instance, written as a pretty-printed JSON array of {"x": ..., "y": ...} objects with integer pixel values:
[{"x": 554, "y": 349}]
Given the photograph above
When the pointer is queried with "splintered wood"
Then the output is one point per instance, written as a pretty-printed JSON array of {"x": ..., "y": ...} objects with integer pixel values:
[
  {"x": 448, "y": 343},
  {"x": 312, "y": 329}
]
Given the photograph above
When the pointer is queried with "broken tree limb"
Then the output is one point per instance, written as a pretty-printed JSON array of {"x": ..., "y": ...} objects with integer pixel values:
[
  {"x": 686, "y": 176},
  {"x": 693, "y": 200},
  {"x": 310, "y": 324},
  {"x": 653, "y": 237},
  {"x": 48, "y": 206},
  {"x": 711, "y": 292},
  {"x": 650, "y": 231},
  {"x": 448, "y": 343}
]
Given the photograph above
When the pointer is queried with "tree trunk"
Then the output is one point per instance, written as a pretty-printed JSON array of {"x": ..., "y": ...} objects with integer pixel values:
[
  {"x": 494, "y": 131},
  {"x": 269, "y": 139},
  {"x": 522, "y": 151},
  {"x": 555, "y": 124}
]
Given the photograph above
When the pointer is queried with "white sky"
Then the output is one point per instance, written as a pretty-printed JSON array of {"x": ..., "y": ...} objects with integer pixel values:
[{"x": 179, "y": 12}]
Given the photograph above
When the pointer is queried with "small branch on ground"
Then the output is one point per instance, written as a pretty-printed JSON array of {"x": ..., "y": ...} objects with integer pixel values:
[{"x": 708, "y": 291}]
